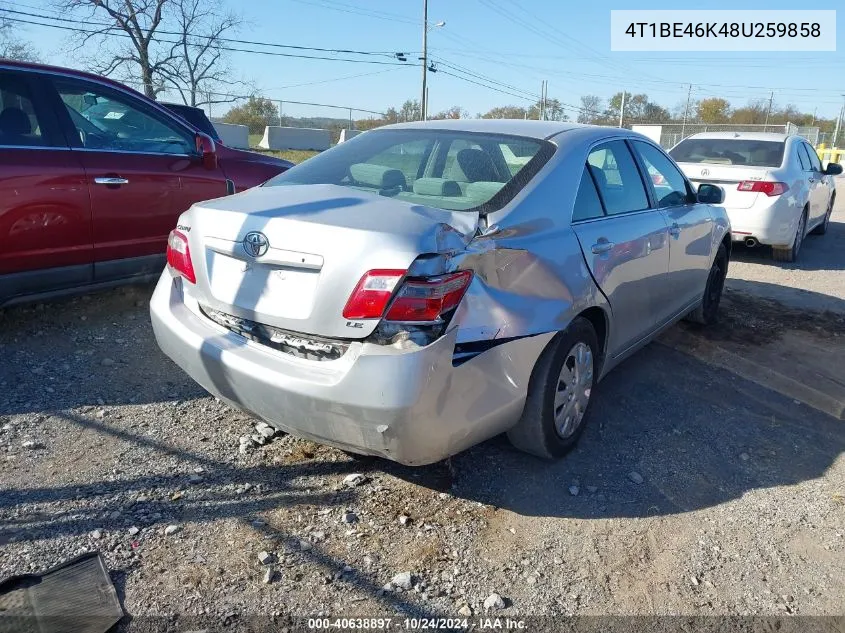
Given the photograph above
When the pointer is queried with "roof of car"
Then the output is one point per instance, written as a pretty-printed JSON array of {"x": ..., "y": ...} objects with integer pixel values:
[
  {"x": 748, "y": 136},
  {"x": 515, "y": 127},
  {"x": 45, "y": 68}
]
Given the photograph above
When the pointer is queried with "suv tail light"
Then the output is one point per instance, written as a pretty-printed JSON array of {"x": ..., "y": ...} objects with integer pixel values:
[
  {"x": 179, "y": 255},
  {"x": 761, "y": 186},
  {"x": 418, "y": 300}
]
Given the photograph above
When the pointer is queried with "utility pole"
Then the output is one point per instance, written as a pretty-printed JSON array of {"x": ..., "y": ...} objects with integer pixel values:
[
  {"x": 686, "y": 113},
  {"x": 622, "y": 109},
  {"x": 769, "y": 111},
  {"x": 542, "y": 116},
  {"x": 423, "y": 112},
  {"x": 280, "y": 113},
  {"x": 838, "y": 124},
  {"x": 813, "y": 122}
]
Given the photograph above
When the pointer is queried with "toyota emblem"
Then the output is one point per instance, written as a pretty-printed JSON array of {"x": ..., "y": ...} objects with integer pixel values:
[{"x": 256, "y": 243}]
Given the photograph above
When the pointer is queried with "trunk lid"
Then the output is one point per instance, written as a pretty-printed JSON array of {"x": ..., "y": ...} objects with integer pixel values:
[
  {"x": 728, "y": 177},
  {"x": 309, "y": 246}
]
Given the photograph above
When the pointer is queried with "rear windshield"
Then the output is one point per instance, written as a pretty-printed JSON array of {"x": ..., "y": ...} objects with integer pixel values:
[
  {"x": 727, "y": 151},
  {"x": 194, "y": 116},
  {"x": 453, "y": 170}
]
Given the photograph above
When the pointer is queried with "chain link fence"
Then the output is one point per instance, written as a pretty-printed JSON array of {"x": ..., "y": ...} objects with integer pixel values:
[{"x": 673, "y": 133}]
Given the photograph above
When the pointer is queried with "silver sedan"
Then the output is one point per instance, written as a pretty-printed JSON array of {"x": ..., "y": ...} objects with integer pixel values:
[{"x": 426, "y": 286}]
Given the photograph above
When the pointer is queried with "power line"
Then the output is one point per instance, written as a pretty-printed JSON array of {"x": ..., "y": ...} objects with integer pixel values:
[
  {"x": 224, "y": 48},
  {"x": 209, "y": 37},
  {"x": 346, "y": 8}
]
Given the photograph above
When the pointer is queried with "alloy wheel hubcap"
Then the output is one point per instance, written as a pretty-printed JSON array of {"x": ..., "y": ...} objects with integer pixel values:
[{"x": 572, "y": 393}]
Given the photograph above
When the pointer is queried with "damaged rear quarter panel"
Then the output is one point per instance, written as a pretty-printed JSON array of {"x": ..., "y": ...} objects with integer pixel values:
[{"x": 530, "y": 273}]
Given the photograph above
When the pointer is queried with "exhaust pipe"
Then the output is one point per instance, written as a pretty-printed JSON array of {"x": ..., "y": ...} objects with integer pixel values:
[{"x": 751, "y": 242}]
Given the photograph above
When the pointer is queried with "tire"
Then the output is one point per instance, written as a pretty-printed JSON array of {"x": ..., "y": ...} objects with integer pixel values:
[
  {"x": 790, "y": 254},
  {"x": 537, "y": 431},
  {"x": 821, "y": 229},
  {"x": 707, "y": 312}
]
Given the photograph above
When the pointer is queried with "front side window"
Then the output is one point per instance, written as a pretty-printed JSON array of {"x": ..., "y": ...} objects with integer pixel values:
[
  {"x": 669, "y": 185},
  {"x": 446, "y": 169},
  {"x": 19, "y": 125},
  {"x": 107, "y": 120},
  {"x": 617, "y": 178}
]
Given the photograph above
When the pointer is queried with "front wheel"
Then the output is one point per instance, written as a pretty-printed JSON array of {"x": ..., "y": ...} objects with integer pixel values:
[
  {"x": 560, "y": 393},
  {"x": 707, "y": 311}
]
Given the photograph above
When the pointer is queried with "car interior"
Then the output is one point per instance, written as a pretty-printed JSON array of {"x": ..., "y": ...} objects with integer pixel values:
[{"x": 17, "y": 119}]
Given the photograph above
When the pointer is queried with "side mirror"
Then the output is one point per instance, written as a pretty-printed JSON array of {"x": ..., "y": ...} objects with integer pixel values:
[
  {"x": 710, "y": 194},
  {"x": 206, "y": 150},
  {"x": 833, "y": 169}
]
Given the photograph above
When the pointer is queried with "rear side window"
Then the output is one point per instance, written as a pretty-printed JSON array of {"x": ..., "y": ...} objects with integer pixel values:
[
  {"x": 669, "y": 185},
  {"x": 728, "y": 151},
  {"x": 587, "y": 203},
  {"x": 617, "y": 178},
  {"x": 803, "y": 158},
  {"x": 814, "y": 158},
  {"x": 19, "y": 125}
]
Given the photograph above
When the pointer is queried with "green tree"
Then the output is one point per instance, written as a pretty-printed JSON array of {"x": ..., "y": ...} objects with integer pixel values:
[
  {"x": 506, "y": 112},
  {"x": 638, "y": 109},
  {"x": 554, "y": 110},
  {"x": 257, "y": 113},
  {"x": 713, "y": 110},
  {"x": 455, "y": 112}
]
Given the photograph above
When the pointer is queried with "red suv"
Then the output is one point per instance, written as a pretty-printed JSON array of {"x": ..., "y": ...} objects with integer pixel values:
[{"x": 93, "y": 176}]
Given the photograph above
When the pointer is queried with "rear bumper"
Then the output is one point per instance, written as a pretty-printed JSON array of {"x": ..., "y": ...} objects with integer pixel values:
[
  {"x": 407, "y": 405},
  {"x": 772, "y": 221}
]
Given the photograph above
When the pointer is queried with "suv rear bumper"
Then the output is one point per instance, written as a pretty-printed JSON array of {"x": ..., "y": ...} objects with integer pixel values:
[{"x": 409, "y": 405}]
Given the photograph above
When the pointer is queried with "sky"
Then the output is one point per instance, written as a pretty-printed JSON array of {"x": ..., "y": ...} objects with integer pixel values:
[{"x": 518, "y": 43}]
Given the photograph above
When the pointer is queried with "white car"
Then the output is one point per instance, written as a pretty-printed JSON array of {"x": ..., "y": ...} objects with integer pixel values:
[{"x": 776, "y": 190}]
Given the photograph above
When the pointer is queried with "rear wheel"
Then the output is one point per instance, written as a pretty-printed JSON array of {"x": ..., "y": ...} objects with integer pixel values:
[
  {"x": 790, "y": 254},
  {"x": 821, "y": 229},
  {"x": 707, "y": 311},
  {"x": 559, "y": 393}
]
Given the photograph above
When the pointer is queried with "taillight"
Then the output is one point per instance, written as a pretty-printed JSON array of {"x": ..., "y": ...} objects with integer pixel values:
[
  {"x": 370, "y": 297},
  {"x": 425, "y": 300},
  {"x": 179, "y": 255},
  {"x": 417, "y": 299},
  {"x": 762, "y": 186}
]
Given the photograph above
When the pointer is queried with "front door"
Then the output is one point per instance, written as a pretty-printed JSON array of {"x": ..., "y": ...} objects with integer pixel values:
[
  {"x": 624, "y": 241},
  {"x": 819, "y": 191},
  {"x": 690, "y": 228},
  {"x": 142, "y": 170},
  {"x": 45, "y": 214}
]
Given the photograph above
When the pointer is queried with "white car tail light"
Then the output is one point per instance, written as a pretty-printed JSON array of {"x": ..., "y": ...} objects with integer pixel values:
[
  {"x": 179, "y": 255},
  {"x": 417, "y": 300},
  {"x": 760, "y": 186}
]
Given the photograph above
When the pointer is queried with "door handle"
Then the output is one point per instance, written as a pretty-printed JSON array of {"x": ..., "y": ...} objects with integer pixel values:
[
  {"x": 811, "y": 179},
  {"x": 111, "y": 180},
  {"x": 675, "y": 230},
  {"x": 602, "y": 246}
]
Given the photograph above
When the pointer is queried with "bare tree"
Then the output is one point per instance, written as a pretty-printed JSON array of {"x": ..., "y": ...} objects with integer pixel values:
[
  {"x": 164, "y": 43},
  {"x": 12, "y": 47},
  {"x": 200, "y": 66}
]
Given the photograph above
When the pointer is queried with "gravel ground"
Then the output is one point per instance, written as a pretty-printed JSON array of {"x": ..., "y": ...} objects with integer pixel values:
[{"x": 693, "y": 491}]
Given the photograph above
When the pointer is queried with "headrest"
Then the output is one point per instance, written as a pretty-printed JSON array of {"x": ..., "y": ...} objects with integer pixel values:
[
  {"x": 476, "y": 165},
  {"x": 14, "y": 122},
  {"x": 436, "y": 187},
  {"x": 483, "y": 190},
  {"x": 377, "y": 176}
]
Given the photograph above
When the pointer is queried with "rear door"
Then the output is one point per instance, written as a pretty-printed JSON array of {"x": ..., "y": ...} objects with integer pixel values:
[
  {"x": 45, "y": 212},
  {"x": 624, "y": 241},
  {"x": 142, "y": 171},
  {"x": 819, "y": 188},
  {"x": 690, "y": 227}
]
